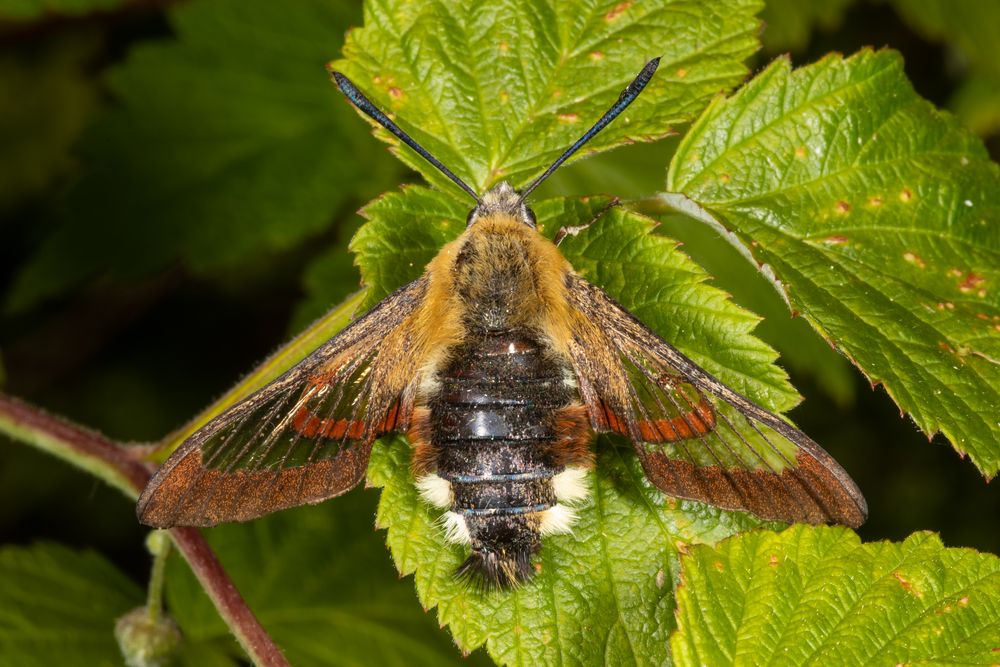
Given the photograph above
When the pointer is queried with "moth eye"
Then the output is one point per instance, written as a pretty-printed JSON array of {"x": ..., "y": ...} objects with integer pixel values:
[{"x": 529, "y": 217}]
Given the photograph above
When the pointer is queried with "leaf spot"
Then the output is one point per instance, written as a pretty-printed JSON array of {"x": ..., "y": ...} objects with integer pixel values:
[
  {"x": 835, "y": 240},
  {"x": 725, "y": 178},
  {"x": 681, "y": 73},
  {"x": 875, "y": 201},
  {"x": 971, "y": 282},
  {"x": 718, "y": 565},
  {"x": 906, "y": 195},
  {"x": 843, "y": 207},
  {"x": 569, "y": 118},
  {"x": 773, "y": 560},
  {"x": 800, "y": 151},
  {"x": 503, "y": 46},
  {"x": 396, "y": 92},
  {"x": 914, "y": 258},
  {"x": 504, "y": 96},
  {"x": 947, "y": 304},
  {"x": 964, "y": 161},
  {"x": 618, "y": 10},
  {"x": 964, "y": 601},
  {"x": 968, "y": 202},
  {"x": 661, "y": 578},
  {"x": 906, "y": 584},
  {"x": 596, "y": 55}
]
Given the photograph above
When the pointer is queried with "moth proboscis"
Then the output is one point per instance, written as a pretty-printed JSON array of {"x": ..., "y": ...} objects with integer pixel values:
[{"x": 499, "y": 364}]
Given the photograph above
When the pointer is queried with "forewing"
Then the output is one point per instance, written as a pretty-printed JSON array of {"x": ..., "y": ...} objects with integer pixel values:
[
  {"x": 301, "y": 439},
  {"x": 696, "y": 437}
]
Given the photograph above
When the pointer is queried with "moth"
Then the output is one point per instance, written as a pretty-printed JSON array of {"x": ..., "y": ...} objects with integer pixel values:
[{"x": 500, "y": 364}]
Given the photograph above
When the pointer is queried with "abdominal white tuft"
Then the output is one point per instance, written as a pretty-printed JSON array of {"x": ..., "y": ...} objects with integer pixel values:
[
  {"x": 456, "y": 530},
  {"x": 436, "y": 490},
  {"x": 428, "y": 383},
  {"x": 570, "y": 486},
  {"x": 556, "y": 520}
]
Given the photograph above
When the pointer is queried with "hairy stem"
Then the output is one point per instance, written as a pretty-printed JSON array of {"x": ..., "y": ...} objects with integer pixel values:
[
  {"x": 114, "y": 463},
  {"x": 80, "y": 446}
]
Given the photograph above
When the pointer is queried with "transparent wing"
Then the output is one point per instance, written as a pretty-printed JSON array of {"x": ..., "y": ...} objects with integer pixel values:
[
  {"x": 696, "y": 437},
  {"x": 301, "y": 439}
]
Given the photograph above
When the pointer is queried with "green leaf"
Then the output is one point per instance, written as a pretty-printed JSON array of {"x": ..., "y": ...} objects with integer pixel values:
[
  {"x": 55, "y": 99},
  {"x": 32, "y": 10},
  {"x": 971, "y": 26},
  {"x": 229, "y": 143},
  {"x": 877, "y": 215},
  {"x": 498, "y": 91},
  {"x": 615, "y": 572},
  {"x": 818, "y": 596},
  {"x": 322, "y": 585},
  {"x": 58, "y": 607},
  {"x": 789, "y": 24},
  {"x": 977, "y": 103}
]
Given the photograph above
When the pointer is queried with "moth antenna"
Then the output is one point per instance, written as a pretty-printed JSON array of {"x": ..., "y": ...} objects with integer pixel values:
[
  {"x": 626, "y": 98},
  {"x": 358, "y": 99}
]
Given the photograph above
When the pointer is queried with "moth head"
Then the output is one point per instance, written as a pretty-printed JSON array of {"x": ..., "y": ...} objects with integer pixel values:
[{"x": 502, "y": 199}]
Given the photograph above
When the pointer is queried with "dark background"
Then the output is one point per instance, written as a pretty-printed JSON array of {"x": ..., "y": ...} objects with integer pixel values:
[{"x": 136, "y": 358}]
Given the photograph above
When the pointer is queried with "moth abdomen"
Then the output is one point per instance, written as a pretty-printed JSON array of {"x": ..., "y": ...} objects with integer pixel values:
[{"x": 497, "y": 431}]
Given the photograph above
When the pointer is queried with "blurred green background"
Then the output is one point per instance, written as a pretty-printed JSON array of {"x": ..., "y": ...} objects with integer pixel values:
[{"x": 178, "y": 182}]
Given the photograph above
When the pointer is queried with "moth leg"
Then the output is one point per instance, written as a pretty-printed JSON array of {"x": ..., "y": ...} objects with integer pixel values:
[{"x": 573, "y": 231}]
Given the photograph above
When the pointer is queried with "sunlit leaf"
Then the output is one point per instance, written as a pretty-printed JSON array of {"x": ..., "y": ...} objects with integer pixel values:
[
  {"x": 498, "y": 91},
  {"x": 819, "y": 596},
  {"x": 877, "y": 215}
]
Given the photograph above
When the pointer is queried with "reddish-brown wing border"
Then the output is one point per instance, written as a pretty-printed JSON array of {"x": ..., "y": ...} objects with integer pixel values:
[
  {"x": 812, "y": 488},
  {"x": 186, "y": 492}
]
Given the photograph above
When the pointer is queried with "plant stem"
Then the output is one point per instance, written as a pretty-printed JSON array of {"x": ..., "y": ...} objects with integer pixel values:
[
  {"x": 82, "y": 447},
  {"x": 228, "y": 601},
  {"x": 113, "y": 463},
  {"x": 160, "y": 546}
]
